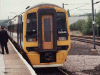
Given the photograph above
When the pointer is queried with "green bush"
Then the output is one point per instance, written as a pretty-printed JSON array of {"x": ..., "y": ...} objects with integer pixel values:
[
  {"x": 97, "y": 22},
  {"x": 98, "y": 19},
  {"x": 87, "y": 28},
  {"x": 77, "y": 25}
]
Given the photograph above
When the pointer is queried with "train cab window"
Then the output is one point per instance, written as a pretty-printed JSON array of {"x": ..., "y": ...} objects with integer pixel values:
[
  {"x": 61, "y": 20},
  {"x": 31, "y": 30},
  {"x": 61, "y": 26}
]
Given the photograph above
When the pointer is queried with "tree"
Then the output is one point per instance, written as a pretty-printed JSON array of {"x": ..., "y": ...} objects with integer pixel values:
[
  {"x": 77, "y": 25},
  {"x": 4, "y": 22},
  {"x": 98, "y": 19},
  {"x": 83, "y": 26},
  {"x": 87, "y": 28}
]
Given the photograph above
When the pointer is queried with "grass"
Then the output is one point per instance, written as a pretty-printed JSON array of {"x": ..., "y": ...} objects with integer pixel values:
[{"x": 5, "y": 72}]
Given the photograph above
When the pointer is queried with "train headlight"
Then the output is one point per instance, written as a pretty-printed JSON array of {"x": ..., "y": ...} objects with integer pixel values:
[
  {"x": 31, "y": 39},
  {"x": 62, "y": 38}
]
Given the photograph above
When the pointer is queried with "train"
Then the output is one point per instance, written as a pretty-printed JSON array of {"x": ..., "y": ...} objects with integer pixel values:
[{"x": 43, "y": 33}]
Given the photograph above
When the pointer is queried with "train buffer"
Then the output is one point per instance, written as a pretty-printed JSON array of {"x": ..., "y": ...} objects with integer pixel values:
[{"x": 13, "y": 64}]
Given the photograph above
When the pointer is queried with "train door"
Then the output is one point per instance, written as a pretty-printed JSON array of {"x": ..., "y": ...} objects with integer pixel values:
[{"x": 47, "y": 32}]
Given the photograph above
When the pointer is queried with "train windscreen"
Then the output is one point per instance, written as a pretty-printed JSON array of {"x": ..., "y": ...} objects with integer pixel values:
[
  {"x": 61, "y": 26},
  {"x": 61, "y": 21},
  {"x": 31, "y": 30}
]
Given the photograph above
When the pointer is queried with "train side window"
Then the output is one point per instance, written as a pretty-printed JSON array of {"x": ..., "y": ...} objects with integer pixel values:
[
  {"x": 31, "y": 24},
  {"x": 61, "y": 21}
]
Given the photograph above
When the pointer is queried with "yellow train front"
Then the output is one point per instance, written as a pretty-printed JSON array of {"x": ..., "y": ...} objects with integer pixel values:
[{"x": 46, "y": 35}]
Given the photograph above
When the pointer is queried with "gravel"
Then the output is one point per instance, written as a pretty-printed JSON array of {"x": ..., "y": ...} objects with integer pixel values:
[{"x": 81, "y": 60}]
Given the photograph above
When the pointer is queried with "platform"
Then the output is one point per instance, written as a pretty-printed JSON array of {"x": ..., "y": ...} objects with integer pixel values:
[
  {"x": 2, "y": 65},
  {"x": 12, "y": 64}
]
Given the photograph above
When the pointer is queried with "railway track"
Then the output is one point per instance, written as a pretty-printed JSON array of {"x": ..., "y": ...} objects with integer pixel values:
[
  {"x": 87, "y": 39},
  {"x": 50, "y": 71}
]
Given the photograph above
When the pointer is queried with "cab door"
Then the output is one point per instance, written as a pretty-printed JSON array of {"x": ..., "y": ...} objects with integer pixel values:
[{"x": 47, "y": 32}]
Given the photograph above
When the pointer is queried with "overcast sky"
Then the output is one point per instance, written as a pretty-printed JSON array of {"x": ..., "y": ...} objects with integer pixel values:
[{"x": 13, "y": 7}]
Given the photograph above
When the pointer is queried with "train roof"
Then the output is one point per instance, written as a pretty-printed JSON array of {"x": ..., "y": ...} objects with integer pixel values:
[
  {"x": 43, "y": 5},
  {"x": 37, "y": 6}
]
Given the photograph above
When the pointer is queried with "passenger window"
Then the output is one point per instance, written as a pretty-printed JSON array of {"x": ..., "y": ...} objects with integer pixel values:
[{"x": 31, "y": 29}]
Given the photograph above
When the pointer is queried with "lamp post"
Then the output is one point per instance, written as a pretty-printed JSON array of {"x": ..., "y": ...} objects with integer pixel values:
[
  {"x": 93, "y": 23},
  {"x": 63, "y": 5}
]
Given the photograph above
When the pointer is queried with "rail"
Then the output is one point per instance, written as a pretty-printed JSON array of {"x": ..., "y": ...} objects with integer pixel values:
[{"x": 87, "y": 39}]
